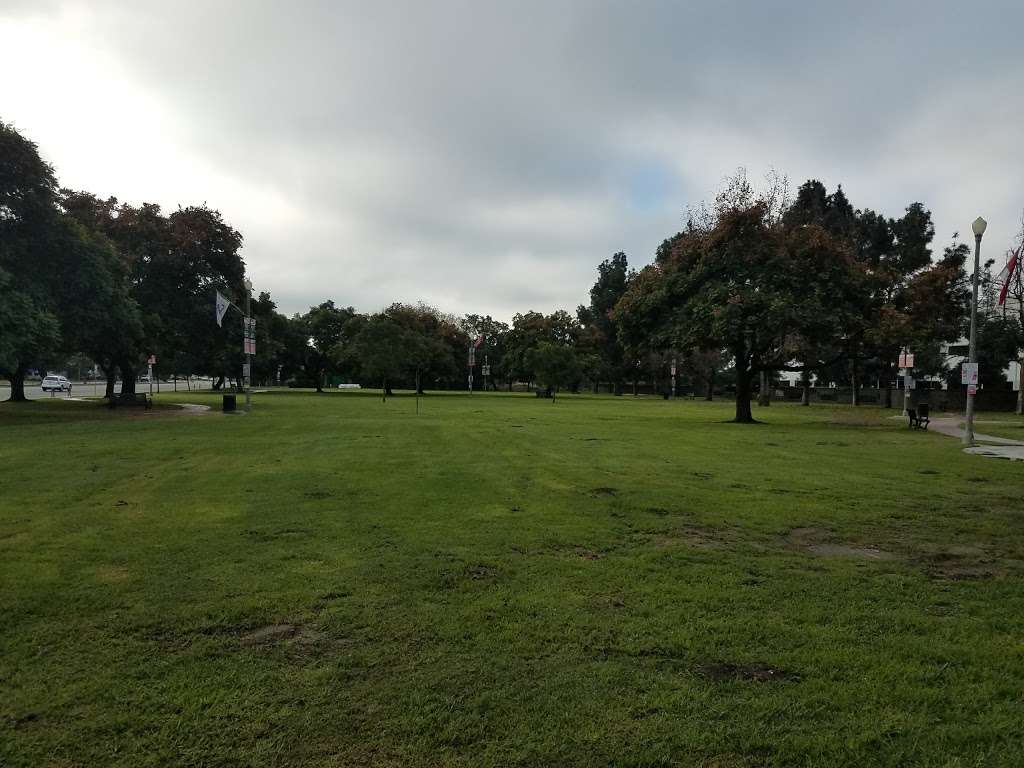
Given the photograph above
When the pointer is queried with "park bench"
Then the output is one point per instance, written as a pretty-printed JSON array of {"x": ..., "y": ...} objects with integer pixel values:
[
  {"x": 918, "y": 417},
  {"x": 136, "y": 399}
]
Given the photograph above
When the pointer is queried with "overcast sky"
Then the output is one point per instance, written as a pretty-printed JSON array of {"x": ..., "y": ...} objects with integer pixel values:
[{"x": 484, "y": 156}]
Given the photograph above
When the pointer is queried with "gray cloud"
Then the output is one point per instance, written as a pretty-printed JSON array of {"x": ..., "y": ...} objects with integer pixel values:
[{"x": 485, "y": 156}]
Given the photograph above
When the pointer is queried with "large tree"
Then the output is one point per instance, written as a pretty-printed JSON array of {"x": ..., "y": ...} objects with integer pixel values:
[
  {"x": 384, "y": 350},
  {"x": 529, "y": 329},
  {"x": 324, "y": 327},
  {"x": 749, "y": 285},
  {"x": 62, "y": 279},
  {"x": 27, "y": 217},
  {"x": 555, "y": 365},
  {"x": 598, "y": 336}
]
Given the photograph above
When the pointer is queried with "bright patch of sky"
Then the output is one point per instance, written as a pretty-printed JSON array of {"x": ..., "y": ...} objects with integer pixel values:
[{"x": 484, "y": 157}]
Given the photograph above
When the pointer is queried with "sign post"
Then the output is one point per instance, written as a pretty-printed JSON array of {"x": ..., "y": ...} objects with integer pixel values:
[
  {"x": 969, "y": 376},
  {"x": 151, "y": 362},
  {"x": 906, "y": 363},
  {"x": 249, "y": 349},
  {"x": 472, "y": 363},
  {"x": 673, "y": 378}
]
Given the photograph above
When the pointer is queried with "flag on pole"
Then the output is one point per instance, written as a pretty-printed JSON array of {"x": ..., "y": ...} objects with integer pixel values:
[
  {"x": 220, "y": 308},
  {"x": 479, "y": 340},
  {"x": 1006, "y": 276}
]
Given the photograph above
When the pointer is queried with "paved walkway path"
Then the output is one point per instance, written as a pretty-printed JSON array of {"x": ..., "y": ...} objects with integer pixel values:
[{"x": 997, "y": 447}]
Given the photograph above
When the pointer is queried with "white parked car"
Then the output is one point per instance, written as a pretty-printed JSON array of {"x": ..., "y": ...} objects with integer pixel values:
[{"x": 56, "y": 384}]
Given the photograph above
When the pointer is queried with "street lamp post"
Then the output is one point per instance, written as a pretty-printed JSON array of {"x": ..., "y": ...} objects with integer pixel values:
[
  {"x": 248, "y": 357},
  {"x": 972, "y": 351}
]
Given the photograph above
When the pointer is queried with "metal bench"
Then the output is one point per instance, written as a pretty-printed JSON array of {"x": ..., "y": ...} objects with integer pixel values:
[{"x": 918, "y": 417}]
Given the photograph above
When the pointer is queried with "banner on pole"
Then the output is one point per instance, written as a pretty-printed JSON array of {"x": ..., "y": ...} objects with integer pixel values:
[
  {"x": 249, "y": 332},
  {"x": 969, "y": 374}
]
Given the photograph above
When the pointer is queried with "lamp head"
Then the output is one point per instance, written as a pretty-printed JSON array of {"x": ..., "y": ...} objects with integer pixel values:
[
  {"x": 979, "y": 226},
  {"x": 248, "y": 283}
]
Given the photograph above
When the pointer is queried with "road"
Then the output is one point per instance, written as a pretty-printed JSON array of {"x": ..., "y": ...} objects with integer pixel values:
[{"x": 33, "y": 391}]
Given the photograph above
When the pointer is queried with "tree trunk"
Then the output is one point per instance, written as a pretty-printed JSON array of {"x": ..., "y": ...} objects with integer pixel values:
[
  {"x": 709, "y": 387},
  {"x": 805, "y": 387},
  {"x": 854, "y": 383},
  {"x": 111, "y": 376},
  {"x": 743, "y": 387},
  {"x": 384, "y": 391},
  {"x": 127, "y": 377},
  {"x": 17, "y": 379},
  {"x": 764, "y": 397},
  {"x": 634, "y": 387},
  {"x": 218, "y": 384}
]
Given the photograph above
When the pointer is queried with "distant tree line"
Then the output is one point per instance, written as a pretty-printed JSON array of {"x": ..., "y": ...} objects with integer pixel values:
[{"x": 754, "y": 285}]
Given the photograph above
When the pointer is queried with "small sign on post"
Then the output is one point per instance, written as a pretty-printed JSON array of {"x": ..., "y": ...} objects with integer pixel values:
[
  {"x": 969, "y": 375},
  {"x": 906, "y": 360}
]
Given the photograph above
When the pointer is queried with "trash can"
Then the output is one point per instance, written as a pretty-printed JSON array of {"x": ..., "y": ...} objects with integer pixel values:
[{"x": 229, "y": 403}]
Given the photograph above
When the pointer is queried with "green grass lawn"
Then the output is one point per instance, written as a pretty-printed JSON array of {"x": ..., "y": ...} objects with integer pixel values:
[
  {"x": 1000, "y": 425},
  {"x": 332, "y": 581}
]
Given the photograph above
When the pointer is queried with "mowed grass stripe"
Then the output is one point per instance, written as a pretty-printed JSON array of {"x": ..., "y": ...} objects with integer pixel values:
[{"x": 500, "y": 580}]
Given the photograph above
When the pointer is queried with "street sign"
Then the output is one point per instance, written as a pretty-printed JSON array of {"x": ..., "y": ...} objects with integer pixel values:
[
  {"x": 906, "y": 360},
  {"x": 969, "y": 374},
  {"x": 152, "y": 360},
  {"x": 245, "y": 370},
  {"x": 909, "y": 382},
  {"x": 472, "y": 356},
  {"x": 972, "y": 390},
  {"x": 485, "y": 369}
]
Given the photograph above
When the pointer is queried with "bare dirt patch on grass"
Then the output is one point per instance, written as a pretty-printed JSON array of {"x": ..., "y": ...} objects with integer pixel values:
[
  {"x": 479, "y": 572},
  {"x": 112, "y": 574},
  {"x": 821, "y": 542},
  {"x": 576, "y": 551},
  {"x": 718, "y": 672},
  {"x": 957, "y": 562},
  {"x": 961, "y": 563},
  {"x": 281, "y": 634}
]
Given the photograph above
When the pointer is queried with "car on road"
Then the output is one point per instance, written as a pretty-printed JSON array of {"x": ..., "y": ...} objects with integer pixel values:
[{"x": 56, "y": 384}]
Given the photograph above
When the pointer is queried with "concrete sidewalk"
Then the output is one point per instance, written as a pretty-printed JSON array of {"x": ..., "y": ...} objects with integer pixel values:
[{"x": 996, "y": 447}]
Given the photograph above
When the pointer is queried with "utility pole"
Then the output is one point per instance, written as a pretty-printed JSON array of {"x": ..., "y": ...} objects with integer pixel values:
[
  {"x": 250, "y": 341},
  {"x": 972, "y": 354}
]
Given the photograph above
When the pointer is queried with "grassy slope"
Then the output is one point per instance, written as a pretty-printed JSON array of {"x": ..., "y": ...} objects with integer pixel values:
[{"x": 503, "y": 581}]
